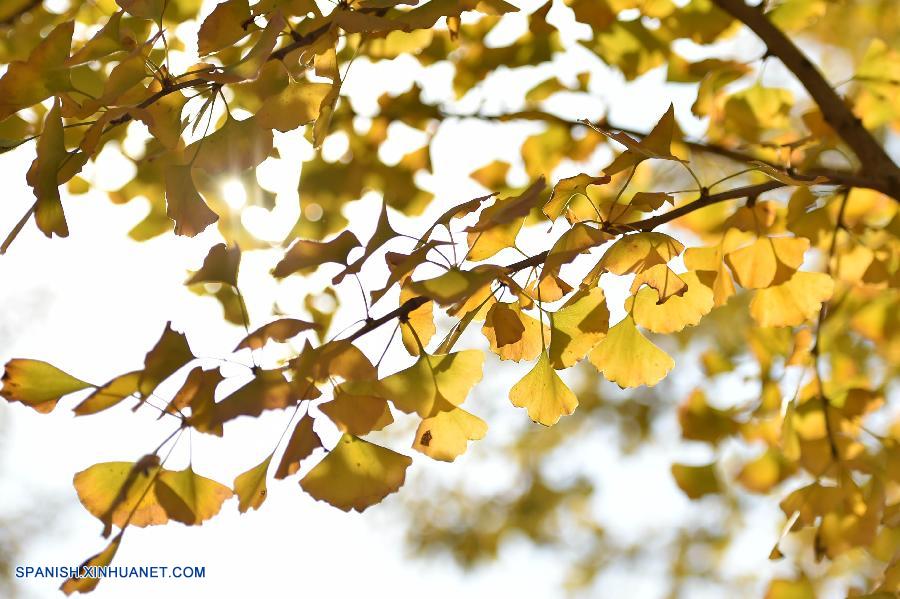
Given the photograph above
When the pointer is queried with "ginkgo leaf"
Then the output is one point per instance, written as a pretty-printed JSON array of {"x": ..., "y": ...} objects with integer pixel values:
[
  {"x": 279, "y": 330},
  {"x": 629, "y": 359},
  {"x": 577, "y": 327},
  {"x": 249, "y": 67},
  {"x": 500, "y": 325},
  {"x": 544, "y": 394},
  {"x": 445, "y": 435},
  {"x": 233, "y": 147},
  {"x": 648, "y": 201},
  {"x": 302, "y": 443},
  {"x": 28, "y": 82},
  {"x": 220, "y": 266},
  {"x": 571, "y": 244},
  {"x": 661, "y": 278},
  {"x": 198, "y": 394},
  {"x": 110, "y": 394},
  {"x": 656, "y": 144},
  {"x": 121, "y": 492},
  {"x": 509, "y": 210},
  {"x": 768, "y": 261},
  {"x": 44, "y": 176},
  {"x": 635, "y": 253},
  {"x": 455, "y": 285},
  {"x": 696, "y": 481},
  {"x": 188, "y": 497},
  {"x": 297, "y": 105},
  {"x": 419, "y": 327},
  {"x": 37, "y": 384},
  {"x": 269, "y": 390},
  {"x": 677, "y": 312},
  {"x": 338, "y": 359},
  {"x": 702, "y": 422},
  {"x": 143, "y": 9},
  {"x": 184, "y": 204},
  {"x": 566, "y": 188},
  {"x": 357, "y": 414},
  {"x": 86, "y": 584},
  {"x": 384, "y": 232},
  {"x": 250, "y": 487},
  {"x": 431, "y": 379},
  {"x": 305, "y": 256},
  {"x": 506, "y": 324},
  {"x": 225, "y": 25},
  {"x": 169, "y": 354},
  {"x": 791, "y": 303},
  {"x": 356, "y": 474}
]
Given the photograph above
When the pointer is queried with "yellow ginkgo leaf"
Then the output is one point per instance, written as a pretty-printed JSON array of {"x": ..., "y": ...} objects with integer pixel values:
[
  {"x": 221, "y": 265},
  {"x": 629, "y": 359},
  {"x": 87, "y": 584},
  {"x": 445, "y": 435},
  {"x": 420, "y": 321},
  {"x": 696, "y": 481},
  {"x": 233, "y": 147},
  {"x": 189, "y": 498},
  {"x": 110, "y": 394},
  {"x": 279, "y": 330},
  {"x": 577, "y": 327},
  {"x": 302, "y": 443},
  {"x": 574, "y": 242},
  {"x": 423, "y": 385},
  {"x": 543, "y": 394},
  {"x": 661, "y": 278},
  {"x": 499, "y": 326},
  {"x": 566, "y": 188},
  {"x": 120, "y": 492},
  {"x": 224, "y": 26},
  {"x": 768, "y": 261},
  {"x": 37, "y": 384},
  {"x": 250, "y": 487},
  {"x": 677, "y": 312},
  {"x": 357, "y": 414},
  {"x": 455, "y": 285},
  {"x": 792, "y": 303},
  {"x": 184, "y": 204},
  {"x": 356, "y": 474},
  {"x": 304, "y": 256},
  {"x": 269, "y": 390},
  {"x": 44, "y": 175},
  {"x": 33, "y": 80},
  {"x": 635, "y": 253}
]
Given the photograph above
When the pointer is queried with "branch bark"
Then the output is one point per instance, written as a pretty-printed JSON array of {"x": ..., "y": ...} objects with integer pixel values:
[{"x": 874, "y": 160}]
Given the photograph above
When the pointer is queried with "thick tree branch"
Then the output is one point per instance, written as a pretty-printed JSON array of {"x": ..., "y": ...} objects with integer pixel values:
[{"x": 874, "y": 160}]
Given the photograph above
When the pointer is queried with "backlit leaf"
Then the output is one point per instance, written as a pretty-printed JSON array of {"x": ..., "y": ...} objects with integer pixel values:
[
  {"x": 37, "y": 384},
  {"x": 543, "y": 394},
  {"x": 629, "y": 359},
  {"x": 250, "y": 487},
  {"x": 302, "y": 443},
  {"x": 356, "y": 474}
]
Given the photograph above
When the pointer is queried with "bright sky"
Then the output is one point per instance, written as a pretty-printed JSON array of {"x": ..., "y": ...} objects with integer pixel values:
[{"x": 94, "y": 303}]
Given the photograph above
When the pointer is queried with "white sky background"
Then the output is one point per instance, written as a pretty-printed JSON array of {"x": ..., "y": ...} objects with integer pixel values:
[{"x": 94, "y": 303}]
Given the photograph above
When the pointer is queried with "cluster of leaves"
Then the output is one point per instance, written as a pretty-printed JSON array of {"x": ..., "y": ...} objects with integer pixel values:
[{"x": 818, "y": 253}]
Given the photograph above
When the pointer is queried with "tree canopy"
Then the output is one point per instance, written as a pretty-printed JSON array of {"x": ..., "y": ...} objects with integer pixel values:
[{"x": 762, "y": 248}]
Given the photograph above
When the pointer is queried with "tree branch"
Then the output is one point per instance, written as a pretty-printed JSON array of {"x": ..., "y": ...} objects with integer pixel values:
[
  {"x": 874, "y": 160},
  {"x": 834, "y": 176},
  {"x": 647, "y": 224}
]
